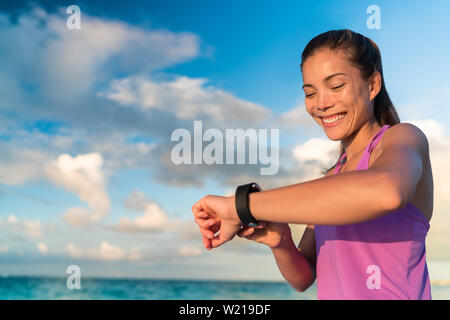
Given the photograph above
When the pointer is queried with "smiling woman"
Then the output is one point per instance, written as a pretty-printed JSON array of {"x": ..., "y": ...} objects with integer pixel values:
[{"x": 367, "y": 220}]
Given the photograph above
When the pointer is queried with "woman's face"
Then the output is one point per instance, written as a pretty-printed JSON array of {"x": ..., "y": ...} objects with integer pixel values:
[{"x": 333, "y": 86}]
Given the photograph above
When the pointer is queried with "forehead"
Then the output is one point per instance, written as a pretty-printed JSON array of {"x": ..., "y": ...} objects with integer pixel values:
[{"x": 324, "y": 63}]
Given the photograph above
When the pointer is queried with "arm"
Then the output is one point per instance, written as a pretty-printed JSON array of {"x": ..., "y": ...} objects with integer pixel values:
[
  {"x": 351, "y": 197},
  {"x": 346, "y": 198},
  {"x": 295, "y": 264}
]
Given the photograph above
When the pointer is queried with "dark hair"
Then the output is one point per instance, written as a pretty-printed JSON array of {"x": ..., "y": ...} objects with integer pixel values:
[{"x": 365, "y": 55}]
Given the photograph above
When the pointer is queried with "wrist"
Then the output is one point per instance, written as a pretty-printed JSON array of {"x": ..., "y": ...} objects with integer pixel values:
[{"x": 234, "y": 217}]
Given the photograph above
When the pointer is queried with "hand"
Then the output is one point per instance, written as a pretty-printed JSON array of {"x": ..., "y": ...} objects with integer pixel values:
[
  {"x": 216, "y": 213},
  {"x": 272, "y": 234}
]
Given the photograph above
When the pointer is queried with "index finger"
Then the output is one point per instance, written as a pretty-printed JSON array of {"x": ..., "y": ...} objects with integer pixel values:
[{"x": 197, "y": 207}]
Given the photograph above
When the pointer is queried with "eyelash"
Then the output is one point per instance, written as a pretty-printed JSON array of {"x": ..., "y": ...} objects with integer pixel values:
[{"x": 309, "y": 95}]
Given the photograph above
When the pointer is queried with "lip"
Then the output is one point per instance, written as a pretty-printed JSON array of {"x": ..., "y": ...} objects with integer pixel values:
[{"x": 334, "y": 123}]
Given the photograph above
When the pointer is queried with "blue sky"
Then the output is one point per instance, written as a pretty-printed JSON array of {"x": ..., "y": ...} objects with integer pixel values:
[{"x": 113, "y": 92}]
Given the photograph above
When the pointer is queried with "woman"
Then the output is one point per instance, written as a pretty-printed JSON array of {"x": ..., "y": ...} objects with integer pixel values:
[{"x": 368, "y": 218}]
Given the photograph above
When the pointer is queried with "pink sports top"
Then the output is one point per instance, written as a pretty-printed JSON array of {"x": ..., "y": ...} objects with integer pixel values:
[{"x": 383, "y": 258}]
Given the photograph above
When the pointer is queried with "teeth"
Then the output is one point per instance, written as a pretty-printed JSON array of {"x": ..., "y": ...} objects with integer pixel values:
[{"x": 333, "y": 119}]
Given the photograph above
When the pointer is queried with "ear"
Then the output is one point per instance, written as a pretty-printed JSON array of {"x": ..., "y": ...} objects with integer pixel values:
[{"x": 374, "y": 85}]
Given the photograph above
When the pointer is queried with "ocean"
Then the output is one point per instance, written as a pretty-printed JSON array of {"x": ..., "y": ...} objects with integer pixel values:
[{"x": 43, "y": 288}]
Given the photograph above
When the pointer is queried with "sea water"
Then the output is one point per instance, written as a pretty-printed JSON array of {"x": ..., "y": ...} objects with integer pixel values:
[{"x": 43, "y": 288}]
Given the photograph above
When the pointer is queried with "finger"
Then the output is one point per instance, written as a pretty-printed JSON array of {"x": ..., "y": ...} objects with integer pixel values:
[
  {"x": 261, "y": 225},
  {"x": 206, "y": 233},
  {"x": 200, "y": 214},
  {"x": 220, "y": 239},
  {"x": 246, "y": 232},
  {"x": 197, "y": 207},
  {"x": 207, "y": 243},
  {"x": 244, "y": 228},
  {"x": 205, "y": 223}
]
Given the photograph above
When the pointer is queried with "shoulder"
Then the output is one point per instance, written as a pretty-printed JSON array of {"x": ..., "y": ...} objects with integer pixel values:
[{"x": 405, "y": 135}]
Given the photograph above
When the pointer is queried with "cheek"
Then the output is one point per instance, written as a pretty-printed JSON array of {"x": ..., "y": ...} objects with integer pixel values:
[
  {"x": 309, "y": 107},
  {"x": 349, "y": 95}
]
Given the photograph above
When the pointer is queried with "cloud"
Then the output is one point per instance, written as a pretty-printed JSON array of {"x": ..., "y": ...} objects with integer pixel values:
[
  {"x": 82, "y": 175},
  {"x": 33, "y": 228},
  {"x": 105, "y": 252},
  {"x": 12, "y": 219},
  {"x": 190, "y": 251},
  {"x": 315, "y": 155},
  {"x": 42, "y": 247},
  {"x": 154, "y": 219},
  {"x": 30, "y": 228},
  {"x": 108, "y": 252},
  {"x": 74, "y": 251},
  {"x": 297, "y": 119},
  {"x": 137, "y": 201},
  {"x": 186, "y": 98},
  {"x": 20, "y": 164},
  {"x": 73, "y": 61}
]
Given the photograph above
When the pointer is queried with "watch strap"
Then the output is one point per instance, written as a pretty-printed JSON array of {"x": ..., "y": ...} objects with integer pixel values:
[{"x": 242, "y": 203}]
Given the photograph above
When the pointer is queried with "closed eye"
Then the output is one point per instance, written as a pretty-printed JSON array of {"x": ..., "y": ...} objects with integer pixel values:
[
  {"x": 338, "y": 86},
  {"x": 311, "y": 94}
]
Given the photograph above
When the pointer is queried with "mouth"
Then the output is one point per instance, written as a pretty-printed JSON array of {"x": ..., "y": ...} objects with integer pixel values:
[{"x": 333, "y": 120}]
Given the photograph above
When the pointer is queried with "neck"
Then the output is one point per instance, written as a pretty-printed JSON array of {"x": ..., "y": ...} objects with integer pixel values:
[{"x": 358, "y": 141}]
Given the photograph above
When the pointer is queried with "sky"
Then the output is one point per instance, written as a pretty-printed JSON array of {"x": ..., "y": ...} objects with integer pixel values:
[{"x": 86, "y": 118}]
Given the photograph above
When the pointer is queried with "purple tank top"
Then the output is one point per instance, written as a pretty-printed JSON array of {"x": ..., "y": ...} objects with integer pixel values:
[{"x": 383, "y": 258}]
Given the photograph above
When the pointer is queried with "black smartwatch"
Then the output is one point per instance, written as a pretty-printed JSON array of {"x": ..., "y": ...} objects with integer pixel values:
[{"x": 242, "y": 206}]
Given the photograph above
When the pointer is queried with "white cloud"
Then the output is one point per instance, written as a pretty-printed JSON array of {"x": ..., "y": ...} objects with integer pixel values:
[
  {"x": 78, "y": 217},
  {"x": 315, "y": 155},
  {"x": 109, "y": 252},
  {"x": 82, "y": 175},
  {"x": 30, "y": 228},
  {"x": 190, "y": 251},
  {"x": 105, "y": 252},
  {"x": 187, "y": 98},
  {"x": 74, "y": 251},
  {"x": 153, "y": 219},
  {"x": 71, "y": 62},
  {"x": 12, "y": 219},
  {"x": 33, "y": 228},
  {"x": 42, "y": 247},
  {"x": 135, "y": 254},
  {"x": 137, "y": 201},
  {"x": 297, "y": 116},
  {"x": 297, "y": 119},
  {"x": 20, "y": 164}
]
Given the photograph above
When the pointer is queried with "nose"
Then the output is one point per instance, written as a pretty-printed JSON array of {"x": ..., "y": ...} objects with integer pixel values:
[{"x": 324, "y": 101}]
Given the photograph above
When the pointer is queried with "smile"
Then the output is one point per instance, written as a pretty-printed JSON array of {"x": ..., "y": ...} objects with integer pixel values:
[{"x": 334, "y": 120}]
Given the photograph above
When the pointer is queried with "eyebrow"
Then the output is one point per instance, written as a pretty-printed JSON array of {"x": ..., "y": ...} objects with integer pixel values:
[{"x": 326, "y": 79}]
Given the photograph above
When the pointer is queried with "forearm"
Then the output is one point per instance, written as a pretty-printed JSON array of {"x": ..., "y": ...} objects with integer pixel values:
[
  {"x": 294, "y": 267},
  {"x": 346, "y": 198}
]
